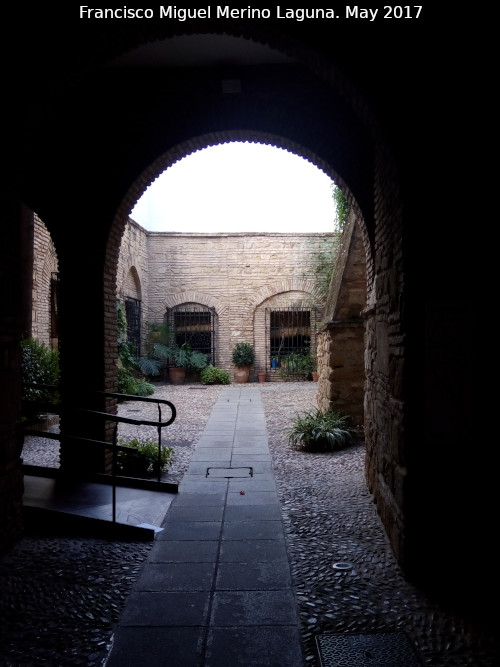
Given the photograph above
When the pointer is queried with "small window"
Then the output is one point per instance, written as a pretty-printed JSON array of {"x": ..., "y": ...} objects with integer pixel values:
[
  {"x": 54, "y": 309},
  {"x": 133, "y": 314}
]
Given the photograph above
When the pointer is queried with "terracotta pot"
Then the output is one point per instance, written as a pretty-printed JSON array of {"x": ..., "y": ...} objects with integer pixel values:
[
  {"x": 314, "y": 376},
  {"x": 241, "y": 374},
  {"x": 177, "y": 375},
  {"x": 262, "y": 375}
]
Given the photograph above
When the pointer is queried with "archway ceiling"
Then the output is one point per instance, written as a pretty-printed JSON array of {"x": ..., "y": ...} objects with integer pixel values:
[
  {"x": 201, "y": 51},
  {"x": 165, "y": 92}
]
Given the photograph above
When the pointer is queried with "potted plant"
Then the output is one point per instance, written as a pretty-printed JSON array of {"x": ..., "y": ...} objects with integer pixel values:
[
  {"x": 143, "y": 459},
  {"x": 243, "y": 357},
  {"x": 183, "y": 359}
]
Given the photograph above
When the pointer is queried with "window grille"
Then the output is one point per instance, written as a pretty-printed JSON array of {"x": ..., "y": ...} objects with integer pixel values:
[
  {"x": 194, "y": 324},
  {"x": 54, "y": 304},
  {"x": 290, "y": 331},
  {"x": 133, "y": 314}
]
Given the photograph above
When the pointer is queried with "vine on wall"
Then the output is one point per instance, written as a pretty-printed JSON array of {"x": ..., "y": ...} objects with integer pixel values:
[{"x": 325, "y": 260}]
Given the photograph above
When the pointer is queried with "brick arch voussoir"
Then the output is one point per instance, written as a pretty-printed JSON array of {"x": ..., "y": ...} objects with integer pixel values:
[
  {"x": 280, "y": 287},
  {"x": 134, "y": 273},
  {"x": 194, "y": 296},
  {"x": 194, "y": 144}
]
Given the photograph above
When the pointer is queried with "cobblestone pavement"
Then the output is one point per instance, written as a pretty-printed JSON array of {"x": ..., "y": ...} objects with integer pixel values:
[{"x": 61, "y": 597}]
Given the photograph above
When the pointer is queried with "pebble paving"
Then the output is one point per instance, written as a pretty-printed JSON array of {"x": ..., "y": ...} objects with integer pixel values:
[{"x": 61, "y": 597}]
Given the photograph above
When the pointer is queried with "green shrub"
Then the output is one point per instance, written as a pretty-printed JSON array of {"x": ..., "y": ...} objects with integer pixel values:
[
  {"x": 130, "y": 384},
  {"x": 142, "y": 460},
  {"x": 243, "y": 354},
  {"x": 296, "y": 364},
  {"x": 213, "y": 375},
  {"x": 319, "y": 431},
  {"x": 130, "y": 376},
  {"x": 39, "y": 365}
]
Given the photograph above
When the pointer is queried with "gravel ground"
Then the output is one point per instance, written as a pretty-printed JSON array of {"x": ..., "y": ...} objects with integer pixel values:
[{"x": 60, "y": 598}]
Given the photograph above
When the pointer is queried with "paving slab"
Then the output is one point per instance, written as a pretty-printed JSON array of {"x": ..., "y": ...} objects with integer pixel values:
[{"x": 216, "y": 590}]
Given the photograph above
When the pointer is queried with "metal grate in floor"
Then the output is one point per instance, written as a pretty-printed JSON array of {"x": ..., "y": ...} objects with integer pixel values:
[
  {"x": 384, "y": 649},
  {"x": 245, "y": 471}
]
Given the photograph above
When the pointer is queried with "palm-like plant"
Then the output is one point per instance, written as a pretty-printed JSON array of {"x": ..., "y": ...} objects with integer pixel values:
[
  {"x": 320, "y": 431},
  {"x": 159, "y": 336},
  {"x": 183, "y": 356}
]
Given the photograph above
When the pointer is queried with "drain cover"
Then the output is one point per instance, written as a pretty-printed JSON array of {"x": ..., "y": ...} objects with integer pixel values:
[
  {"x": 230, "y": 472},
  {"x": 344, "y": 566},
  {"x": 385, "y": 649}
]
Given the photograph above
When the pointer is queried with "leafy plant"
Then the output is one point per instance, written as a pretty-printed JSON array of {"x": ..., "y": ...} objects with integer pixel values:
[
  {"x": 243, "y": 354},
  {"x": 342, "y": 207},
  {"x": 158, "y": 343},
  {"x": 325, "y": 259},
  {"x": 296, "y": 364},
  {"x": 136, "y": 386},
  {"x": 319, "y": 431},
  {"x": 39, "y": 366},
  {"x": 183, "y": 356},
  {"x": 143, "y": 457},
  {"x": 130, "y": 380},
  {"x": 213, "y": 375}
]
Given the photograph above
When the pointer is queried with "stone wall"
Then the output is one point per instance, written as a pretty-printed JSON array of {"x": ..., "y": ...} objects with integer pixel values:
[
  {"x": 238, "y": 275},
  {"x": 341, "y": 341}
]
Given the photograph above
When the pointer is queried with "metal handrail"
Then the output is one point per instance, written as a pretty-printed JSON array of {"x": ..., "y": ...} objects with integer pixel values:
[{"x": 107, "y": 416}]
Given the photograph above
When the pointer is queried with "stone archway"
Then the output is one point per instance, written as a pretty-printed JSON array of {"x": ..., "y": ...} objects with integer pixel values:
[
  {"x": 331, "y": 125},
  {"x": 361, "y": 190}
]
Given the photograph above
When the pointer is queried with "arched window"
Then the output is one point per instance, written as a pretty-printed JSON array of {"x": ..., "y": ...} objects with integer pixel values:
[
  {"x": 291, "y": 337},
  {"x": 194, "y": 324}
]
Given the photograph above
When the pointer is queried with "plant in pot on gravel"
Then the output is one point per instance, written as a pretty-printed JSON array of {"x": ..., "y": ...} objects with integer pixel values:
[
  {"x": 243, "y": 357},
  {"x": 142, "y": 459},
  {"x": 183, "y": 359},
  {"x": 320, "y": 431}
]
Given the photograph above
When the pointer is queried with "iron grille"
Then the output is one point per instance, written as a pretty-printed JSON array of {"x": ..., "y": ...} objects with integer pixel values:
[
  {"x": 290, "y": 337},
  {"x": 54, "y": 304},
  {"x": 194, "y": 324},
  {"x": 133, "y": 314}
]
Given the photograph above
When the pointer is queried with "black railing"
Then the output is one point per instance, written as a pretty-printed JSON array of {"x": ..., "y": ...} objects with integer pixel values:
[{"x": 105, "y": 416}]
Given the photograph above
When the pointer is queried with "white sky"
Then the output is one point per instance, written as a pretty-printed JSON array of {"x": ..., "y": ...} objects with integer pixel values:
[{"x": 238, "y": 187}]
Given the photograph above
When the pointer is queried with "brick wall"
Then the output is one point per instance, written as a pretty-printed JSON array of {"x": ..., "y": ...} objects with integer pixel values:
[
  {"x": 239, "y": 275},
  {"x": 44, "y": 264}
]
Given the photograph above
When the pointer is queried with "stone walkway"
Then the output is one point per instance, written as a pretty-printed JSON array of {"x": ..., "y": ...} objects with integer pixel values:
[
  {"x": 74, "y": 590},
  {"x": 216, "y": 590}
]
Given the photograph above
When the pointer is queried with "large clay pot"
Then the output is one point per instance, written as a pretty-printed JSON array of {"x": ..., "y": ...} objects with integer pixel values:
[
  {"x": 177, "y": 375},
  {"x": 241, "y": 374}
]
